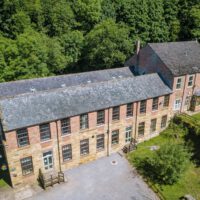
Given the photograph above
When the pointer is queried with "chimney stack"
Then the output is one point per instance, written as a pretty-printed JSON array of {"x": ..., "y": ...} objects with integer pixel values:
[{"x": 137, "y": 47}]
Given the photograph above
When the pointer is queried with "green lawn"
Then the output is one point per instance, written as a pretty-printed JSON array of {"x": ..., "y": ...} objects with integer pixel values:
[
  {"x": 197, "y": 116},
  {"x": 3, "y": 183},
  {"x": 189, "y": 183}
]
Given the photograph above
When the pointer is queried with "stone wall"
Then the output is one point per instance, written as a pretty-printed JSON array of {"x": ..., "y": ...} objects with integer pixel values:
[
  {"x": 185, "y": 91},
  {"x": 36, "y": 147},
  {"x": 148, "y": 62}
]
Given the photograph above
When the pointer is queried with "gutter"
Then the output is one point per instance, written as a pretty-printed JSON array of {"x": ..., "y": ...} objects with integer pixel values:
[
  {"x": 58, "y": 145},
  {"x": 136, "y": 118},
  {"x": 108, "y": 134},
  {"x": 182, "y": 103}
]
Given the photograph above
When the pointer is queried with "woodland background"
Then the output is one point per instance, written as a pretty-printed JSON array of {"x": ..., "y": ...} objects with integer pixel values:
[{"x": 48, "y": 37}]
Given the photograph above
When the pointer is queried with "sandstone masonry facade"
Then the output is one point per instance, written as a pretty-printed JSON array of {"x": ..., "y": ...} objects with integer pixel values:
[{"x": 41, "y": 119}]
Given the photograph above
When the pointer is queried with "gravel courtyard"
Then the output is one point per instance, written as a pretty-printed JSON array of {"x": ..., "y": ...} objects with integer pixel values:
[{"x": 100, "y": 180}]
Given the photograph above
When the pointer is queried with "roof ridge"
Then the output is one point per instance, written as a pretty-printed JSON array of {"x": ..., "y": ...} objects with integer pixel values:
[
  {"x": 76, "y": 86},
  {"x": 186, "y": 41},
  {"x": 62, "y": 75}
]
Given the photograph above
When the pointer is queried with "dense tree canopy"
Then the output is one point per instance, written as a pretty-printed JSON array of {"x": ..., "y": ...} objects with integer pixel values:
[
  {"x": 107, "y": 45},
  {"x": 45, "y": 37}
]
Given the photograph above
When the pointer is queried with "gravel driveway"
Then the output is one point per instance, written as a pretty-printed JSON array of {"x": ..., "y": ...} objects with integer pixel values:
[{"x": 100, "y": 180}]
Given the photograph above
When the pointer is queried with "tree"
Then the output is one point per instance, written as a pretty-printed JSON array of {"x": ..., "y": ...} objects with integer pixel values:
[
  {"x": 64, "y": 52},
  {"x": 9, "y": 18},
  {"x": 5, "y": 43},
  {"x": 25, "y": 57},
  {"x": 188, "y": 19},
  {"x": 61, "y": 36},
  {"x": 158, "y": 31},
  {"x": 35, "y": 12},
  {"x": 107, "y": 45},
  {"x": 195, "y": 21},
  {"x": 58, "y": 17},
  {"x": 108, "y": 9},
  {"x": 72, "y": 44},
  {"x": 171, "y": 17},
  {"x": 20, "y": 22},
  {"x": 56, "y": 61},
  {"x": 135, "y": 14},
  {"x": 88, "y": 13},
  {"x": 167, "y": 164}
]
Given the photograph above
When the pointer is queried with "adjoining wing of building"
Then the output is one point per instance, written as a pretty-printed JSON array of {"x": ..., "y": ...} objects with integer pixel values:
[{"x": 60, "y": 122}]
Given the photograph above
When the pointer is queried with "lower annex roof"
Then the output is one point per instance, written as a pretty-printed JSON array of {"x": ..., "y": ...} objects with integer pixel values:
[{"x": 54, "y": 82}]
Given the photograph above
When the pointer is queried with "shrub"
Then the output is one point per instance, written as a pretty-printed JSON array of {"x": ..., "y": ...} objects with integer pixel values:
[
  {"x": 166, "y": 165},
  {"x": 175, "y": 131}
]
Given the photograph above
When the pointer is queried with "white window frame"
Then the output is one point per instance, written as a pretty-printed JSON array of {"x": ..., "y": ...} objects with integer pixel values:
[
  {"x": 177, "y": 106},
  {"x": 84, "y": 121},
  {"x": 128, "y": 134},
  {"x": 65, "y": 126},
  {"x": 163, "y": 123},
  {"x": 100, "y": 142},
  {"x": 48, "y": 160},
  {"x": 191, "y": 81},
  {"x": 67, "y": 152},
  {"x": 153, "y": 125},
  {"x": 177, "y": 83},
  {"x": 115, "y": 137},
  {"x": 84, "y": 147}
]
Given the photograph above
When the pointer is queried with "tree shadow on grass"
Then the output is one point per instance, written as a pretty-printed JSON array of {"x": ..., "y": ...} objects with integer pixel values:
[{"x": 192, "y": 140}]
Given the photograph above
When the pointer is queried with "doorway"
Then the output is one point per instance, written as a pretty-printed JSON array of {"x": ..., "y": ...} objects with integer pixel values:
[{"x": 48, "y": 160}]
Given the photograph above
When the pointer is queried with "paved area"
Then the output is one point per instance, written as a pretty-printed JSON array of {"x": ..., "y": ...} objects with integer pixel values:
[
  {"x": 100, "y": 180},
  {"x": 24, "y": 192}
]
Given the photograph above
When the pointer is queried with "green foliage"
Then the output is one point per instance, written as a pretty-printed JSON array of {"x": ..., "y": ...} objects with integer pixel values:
[
  {"x": 107, "y": 45},
  {"x": 72, "y": 44},
  {"x": 135, "y": 14},
  {"x": 189, "y": 178},
  {"x": 188, "y": 20},
  {"x": 175, "y": 131},
  {"x": 108, "y": 8},
  {"x": 88, "y": 12},
  {"x": 191, "y": 124},
  {"x": 34, "y": 54},
  {"x": 26, "y": 57},
  {"x": 158, "y": 28},
  {"x": 195, "y": 20},
  {"x": 171, "y": 17},
  {"x": 69, "y": 36},
  {"x": 58, "y": 17},
  {"x": 166, "y": 165},
  {"x": 192, "y": 138},
  {"x": 20, "y": 22}
]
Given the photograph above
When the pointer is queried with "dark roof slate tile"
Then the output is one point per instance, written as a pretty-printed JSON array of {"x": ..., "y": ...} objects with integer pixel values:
[
  {"x": 54, "y": 82},
  {"x": 180, "y": 57},
  {"x": 39, "y": 107}
]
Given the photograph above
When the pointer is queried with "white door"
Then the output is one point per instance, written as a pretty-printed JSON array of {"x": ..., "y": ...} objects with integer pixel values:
[
  {"x": 48, "y": 160},
  {"x": 128, "y": 134}
]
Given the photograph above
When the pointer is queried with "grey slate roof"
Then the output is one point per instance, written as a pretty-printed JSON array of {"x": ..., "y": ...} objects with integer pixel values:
[
  {"x": 35, "y": 108},
  {"x": 180, "y": 57},
  {"x": 41, "y": 84}
]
